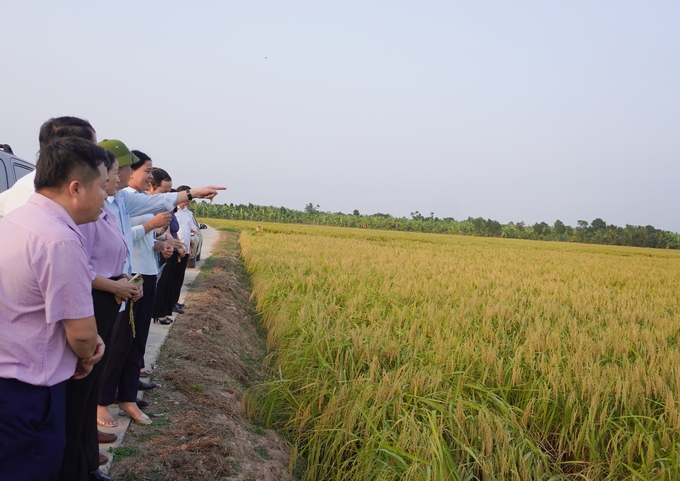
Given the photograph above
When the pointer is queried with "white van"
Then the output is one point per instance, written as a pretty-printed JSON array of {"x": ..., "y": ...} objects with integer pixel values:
[{"x": 12, "y": 168}]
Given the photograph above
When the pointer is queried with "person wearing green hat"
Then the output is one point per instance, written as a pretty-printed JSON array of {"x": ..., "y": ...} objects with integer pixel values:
[{"x": 126, "y": 204}]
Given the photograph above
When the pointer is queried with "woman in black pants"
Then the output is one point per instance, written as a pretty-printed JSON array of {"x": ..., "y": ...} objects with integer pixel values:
[{"x": 144, "y": 262}]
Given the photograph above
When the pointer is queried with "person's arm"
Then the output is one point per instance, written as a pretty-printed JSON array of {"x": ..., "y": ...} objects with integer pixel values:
[
  {"x": 164, "y": 248},
  {"x": 177, "y": 245},
  {"x": 208, "y": 192},
  {"x": 140, "y": 204},
  {"x": 88, "y": 231},
  {"x": 121, "y": 288},
  {"x": 157, "y": 221},
  {"x": 84, "y": 366},
  {"x": 81, "y": 335}
]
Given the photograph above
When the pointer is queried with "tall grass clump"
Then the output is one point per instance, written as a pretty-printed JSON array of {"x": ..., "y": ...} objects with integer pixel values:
[{"x": 399, "y": 356}]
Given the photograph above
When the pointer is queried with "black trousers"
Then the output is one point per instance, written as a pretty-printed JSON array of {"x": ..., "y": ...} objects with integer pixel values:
[
  {"x": 163, "y": 305},
  {"x": 178, "y": 280},
  {"x": 117, "y": 351},
  {"x": 32, "y": 430},
  {"x": 127, "y": 390},
  {"x": 81, "y": 456},
  {"x": 127, "y": 357}
]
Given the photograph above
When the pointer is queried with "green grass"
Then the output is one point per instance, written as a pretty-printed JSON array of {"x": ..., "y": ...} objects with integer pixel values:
[
  {"x": 257, "y": 430},
  {"x": 121, "y": 452},
  {"x": 263, "y": 452}
]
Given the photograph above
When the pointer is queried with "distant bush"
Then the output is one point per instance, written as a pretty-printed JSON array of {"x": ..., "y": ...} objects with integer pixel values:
[{"x": 597, "y": 232}]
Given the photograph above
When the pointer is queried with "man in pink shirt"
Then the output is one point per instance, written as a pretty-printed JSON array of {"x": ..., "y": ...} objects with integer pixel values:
[{"x": 46, "y": 315}]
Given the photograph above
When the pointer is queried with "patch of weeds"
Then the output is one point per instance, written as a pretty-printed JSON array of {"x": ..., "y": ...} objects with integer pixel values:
[
  {"x": 207, "y": 267},
  {"x": 174, "y": 353},
  {"x": 300, "y": 468},
  {"x": 153, "y": 474},
  {"x": 161, "y": 421},
  {"x": 121, "y": 452},
  {"x": 252, "y": 362},
  {"x": 263, "y": 452},
  {"x": 234, "y": 466},
  {"x": 197, "y": 387},
  {"x": 257, "y": 430},
  {"x": 146, "y": 437},
  {"x": 152, "y": 396}
]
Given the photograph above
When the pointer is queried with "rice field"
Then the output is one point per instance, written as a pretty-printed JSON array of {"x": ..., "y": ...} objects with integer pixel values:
[{"x": 403, "y": 356}]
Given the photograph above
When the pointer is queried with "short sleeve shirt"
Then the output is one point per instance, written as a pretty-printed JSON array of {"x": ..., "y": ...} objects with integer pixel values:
[{"x": 44, "y": 279}]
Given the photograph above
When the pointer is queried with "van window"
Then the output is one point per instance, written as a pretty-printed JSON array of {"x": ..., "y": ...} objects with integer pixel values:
[
  {"x": 21, "y": 170},
  {"x": 4, "y": 183}
]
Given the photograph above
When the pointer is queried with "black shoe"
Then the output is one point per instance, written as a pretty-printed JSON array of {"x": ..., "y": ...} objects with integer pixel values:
[
  {"x": 177, "y": 309},
  {"x": 141, "y": 403},
  {"x": 180, "y": 305},
  {"x": 146, "y": 386},
  {"x": 99, "y": 476}
]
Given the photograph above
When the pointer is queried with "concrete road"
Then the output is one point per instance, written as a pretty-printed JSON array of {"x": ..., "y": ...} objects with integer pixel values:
[{"x": 157, "y": 336}]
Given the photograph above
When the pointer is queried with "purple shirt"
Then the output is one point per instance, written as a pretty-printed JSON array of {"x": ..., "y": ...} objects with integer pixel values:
[
  {"x": 44, "y": 279},
  {"x": 105, "y": 245}
]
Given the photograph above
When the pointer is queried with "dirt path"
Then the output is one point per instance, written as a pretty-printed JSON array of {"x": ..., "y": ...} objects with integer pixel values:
[{"x": 211, "y": 354}]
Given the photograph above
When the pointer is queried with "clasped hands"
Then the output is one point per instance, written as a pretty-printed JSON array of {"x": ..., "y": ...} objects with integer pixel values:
[{"x": 84, "y": 366}]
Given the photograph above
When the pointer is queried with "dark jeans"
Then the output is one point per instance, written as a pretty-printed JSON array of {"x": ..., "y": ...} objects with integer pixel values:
[{"x": 32, "y": 430}]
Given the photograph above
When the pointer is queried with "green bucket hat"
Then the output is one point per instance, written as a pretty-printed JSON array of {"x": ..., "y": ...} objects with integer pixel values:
[{"x": 120, "y": 150}]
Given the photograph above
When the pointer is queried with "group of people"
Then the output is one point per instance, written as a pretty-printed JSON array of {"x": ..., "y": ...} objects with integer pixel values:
[{"x": 94, "y": 246}]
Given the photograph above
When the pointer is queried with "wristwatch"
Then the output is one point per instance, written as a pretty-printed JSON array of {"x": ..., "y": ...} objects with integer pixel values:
[{"x": 189, "y": 196}]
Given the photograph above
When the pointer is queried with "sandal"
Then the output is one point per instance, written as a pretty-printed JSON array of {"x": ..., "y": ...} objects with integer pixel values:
[
  {"x": 165, "y": 321},
  {"x": 107, "y": 424},
  {"x": 140, "y": 417}
]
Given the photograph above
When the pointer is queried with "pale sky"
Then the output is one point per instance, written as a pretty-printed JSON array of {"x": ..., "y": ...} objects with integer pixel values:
[{"x": 522, "y": 111}]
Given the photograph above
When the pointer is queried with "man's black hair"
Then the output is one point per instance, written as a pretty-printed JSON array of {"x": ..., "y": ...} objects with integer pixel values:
[
  {"x": 66, "y": 159},
  {"x": 159, "y": 176},
  {"x": 65, "y": 127},
  {"x": 110, "y": 159}
]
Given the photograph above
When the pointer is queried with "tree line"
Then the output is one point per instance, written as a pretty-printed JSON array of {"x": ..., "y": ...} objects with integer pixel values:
[{"x": 595, "y": 232}]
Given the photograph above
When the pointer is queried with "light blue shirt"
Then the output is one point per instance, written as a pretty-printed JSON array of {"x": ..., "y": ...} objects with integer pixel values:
[{"x": 128, "y": 203}]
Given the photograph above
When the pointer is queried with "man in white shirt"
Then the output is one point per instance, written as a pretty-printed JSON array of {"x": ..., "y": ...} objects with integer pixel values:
[{"x": 23, "y": 189}]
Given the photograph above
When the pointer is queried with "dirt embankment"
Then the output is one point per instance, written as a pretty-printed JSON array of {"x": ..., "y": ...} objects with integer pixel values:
[{"x": 212, "y": 353}]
